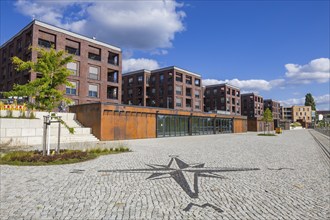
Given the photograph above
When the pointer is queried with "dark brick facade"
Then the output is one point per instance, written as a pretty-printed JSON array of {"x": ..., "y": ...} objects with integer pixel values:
[
  {"x": 96, "y": 71},
  {"x": 252, "y": 105},
  {"x": 169, "y": 87},
  {"x": 222, "y": 98},
  {"x": 274, "y": 106}
]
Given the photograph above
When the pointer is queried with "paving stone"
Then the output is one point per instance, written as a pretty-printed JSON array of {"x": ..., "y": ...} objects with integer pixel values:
[{"x": 230, "y": 176}]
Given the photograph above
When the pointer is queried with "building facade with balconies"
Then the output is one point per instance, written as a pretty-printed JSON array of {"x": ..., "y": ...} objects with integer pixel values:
[
  {"x": 169, "y": 87},
  {"x": 96, "y": 70},
  {"x": 274, "y": 107},
  {"x": 252, "y": 105},
  {"x": 222, "y": 98}
]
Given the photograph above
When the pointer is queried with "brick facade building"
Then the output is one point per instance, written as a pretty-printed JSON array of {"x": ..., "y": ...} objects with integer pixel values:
[
  {"x": 223, "y": 98},
  {"x": 252, "y": 105},
  {"x": 96, "y": 70},
  {"x": 169, "y": 87},
  {"x": 274, "y": 106}
]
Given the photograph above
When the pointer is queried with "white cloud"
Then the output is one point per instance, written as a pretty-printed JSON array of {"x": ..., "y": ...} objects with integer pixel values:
[
  {"x": 317, "y": 70},
  {"x": 129, "y": 24},
  {"x": 251, "y": 85},
  {"x": 138, "y": 64},
  {"x": 322, "y": 102}
]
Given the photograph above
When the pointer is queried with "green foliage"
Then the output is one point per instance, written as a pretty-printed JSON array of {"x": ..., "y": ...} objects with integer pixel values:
[
  {"x": 268, "y": 116},
  {"x": 295, "y": 124},
  {"x": 51, "y": 65},
  {"x": 35, "y": 158},
  {"x": 32, "y": 115},
  {"x": 10, "y": 114},
  {"x": 309, "y": 101},
  {"x": 23, "y": 115}
]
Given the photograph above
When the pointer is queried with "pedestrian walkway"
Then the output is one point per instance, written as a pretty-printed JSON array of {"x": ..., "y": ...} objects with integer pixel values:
[{"x": 227, "y": 176}]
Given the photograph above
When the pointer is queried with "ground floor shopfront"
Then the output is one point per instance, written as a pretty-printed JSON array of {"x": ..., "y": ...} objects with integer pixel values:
[{"x": 120, "y": 122}]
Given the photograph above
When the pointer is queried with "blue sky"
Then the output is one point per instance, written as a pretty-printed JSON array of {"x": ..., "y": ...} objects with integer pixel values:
[{"x": 279, "y": 49}]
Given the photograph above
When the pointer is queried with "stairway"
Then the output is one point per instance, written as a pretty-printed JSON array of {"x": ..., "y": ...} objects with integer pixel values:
[{"x": 28, "y": 132}]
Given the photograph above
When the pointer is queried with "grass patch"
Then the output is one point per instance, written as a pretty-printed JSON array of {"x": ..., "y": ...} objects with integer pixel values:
[
  {"x": 35, "y": 158},
  {"x": 267, "y": 135}
]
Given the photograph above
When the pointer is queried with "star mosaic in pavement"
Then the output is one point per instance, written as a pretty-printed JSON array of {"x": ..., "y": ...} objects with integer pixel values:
[{"x": 185, "y": 175}]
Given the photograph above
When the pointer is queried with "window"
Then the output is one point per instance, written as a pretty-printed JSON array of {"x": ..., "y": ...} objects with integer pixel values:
[
  {"x": 178, "y": 102},
  {"x": 19, "y": 45},
  {"x": 130, "y": 81},
  {"x": 197, "y": 94},
  {"x": 93, "y": 90},
  {"x": 71, "y": 50},
  {"x": 222, "y": 100},
  {"x": 46, "y": 40},
  {"x": 71, "y": 90},
  {"x": 169, "y": 90},
  {"x": 161, "y": 78},
  {"x": 140, "y": 79},
  {"x": 197, "y": 82},
  {"x": 94, "y": 53},
  {"x": 207, "y": 92},
  {"x": 94, "y": 72},
  {"x": 197, "y": 104},
  {"x": 188, "y": 103},
  {"x": 112, "y": 92},
  {"x": 188, "y": 80},
  {"x": 130, "y": 93},
  {"x": 178, "y": 77},
  {"x": 153, "y": 91},
  {"x": 112, "y": 76},
  {"x": 45, "y": 43},
  {"x": 73, "y": 67},
  {"x": 188, "y": 91},
  {"x": 178, "y": 90},
  {"x": 113, "y": 58},
  {"x": 214, "y": 91}
]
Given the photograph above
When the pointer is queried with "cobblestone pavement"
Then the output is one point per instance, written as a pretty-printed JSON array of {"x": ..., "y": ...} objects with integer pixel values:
[{"x": 229, "y": 176}]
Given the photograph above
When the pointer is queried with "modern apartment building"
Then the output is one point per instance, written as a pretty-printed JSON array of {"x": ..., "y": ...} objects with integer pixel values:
[
  {"x": 274, "y": 106},
  {"x": 96, "y": 70},
  {"x": 135, "y": 88},
  {"x": 302, "y": 114},
  {"x": 286, "y": 113},
  {"x": 222, "y": 98},
  {"x": 169, "y": 87},
  {"x": 252, "y": 105}
]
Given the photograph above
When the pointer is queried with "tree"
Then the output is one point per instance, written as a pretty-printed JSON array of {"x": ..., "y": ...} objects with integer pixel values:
[
  {"x": 309, "y": 101},
  {"x": 267, "y": 117},
  {"x": 44, "y": 91}
]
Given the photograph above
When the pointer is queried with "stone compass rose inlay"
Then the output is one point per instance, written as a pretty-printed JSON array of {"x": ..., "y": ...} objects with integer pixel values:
[{"x": 185, "y": 175}]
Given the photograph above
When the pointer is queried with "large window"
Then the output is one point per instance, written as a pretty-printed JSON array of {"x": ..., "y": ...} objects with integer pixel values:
[
  {"x": 175, "y": 125},
  {"x": 93, "y": 90},
  {"x": 71, "y": 90},
  {"x": 94, "y": 72},
  {"x": 178, "y": 102},
  {"x": 45, "y": 43},
  {"x": 73, "y": 67},
  {"x": 178, "y": 90},
  {"x": 94, "y": 53}
]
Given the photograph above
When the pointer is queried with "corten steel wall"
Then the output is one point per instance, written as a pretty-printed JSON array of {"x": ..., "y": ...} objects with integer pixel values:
[
  {"x": 119, "y": 122},
  {"x": 89, "y": 116}
]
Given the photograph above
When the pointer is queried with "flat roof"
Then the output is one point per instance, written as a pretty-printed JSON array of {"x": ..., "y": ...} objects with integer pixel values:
[
  {"x": 136, "y": 72},
  {"x": 61, "y": 30},
  {"x": 251, "y": 93},
  {"x": 175, "y": 68},
  {"x": 222, "y": 84}
]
